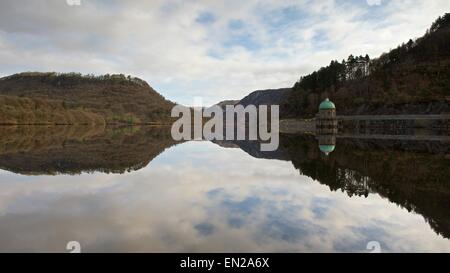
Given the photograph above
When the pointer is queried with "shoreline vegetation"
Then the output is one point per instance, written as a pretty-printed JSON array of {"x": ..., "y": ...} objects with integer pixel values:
[
  {"x": 34, "y": 98},
  {"x": 28, "y": 111}
]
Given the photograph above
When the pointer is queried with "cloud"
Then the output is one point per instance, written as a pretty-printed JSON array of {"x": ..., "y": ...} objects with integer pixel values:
[
  {"x": 205, "y": 18},
  {"x": 213, "y": 49},
  {"x": 373, "y": 2}
]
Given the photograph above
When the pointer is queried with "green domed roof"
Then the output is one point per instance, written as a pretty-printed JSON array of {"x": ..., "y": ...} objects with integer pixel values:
[
  {"x": 327, "y": 104},
  {"x": 327, "y": 149}
]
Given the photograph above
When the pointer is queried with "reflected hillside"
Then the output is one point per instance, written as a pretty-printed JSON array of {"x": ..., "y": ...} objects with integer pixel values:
[
  {"x": 36, "y": 150},
  {"x": 411, "y": 173},
  {"x": 253, "y": 148}
]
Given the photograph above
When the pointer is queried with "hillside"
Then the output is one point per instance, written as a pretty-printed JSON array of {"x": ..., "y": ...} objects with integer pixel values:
[
  {"x": 26, "y": 111},
  {"x": 223, "y": 104},
  {"x": 266, "y": 97},
  {"x": 51, "y": 98},
  {"x": 414, "y": 78},
  {"x": 260, "y": 97}
]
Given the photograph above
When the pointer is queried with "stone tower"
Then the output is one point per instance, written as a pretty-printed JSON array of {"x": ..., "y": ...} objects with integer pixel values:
[{"x": 326, "y": 122}]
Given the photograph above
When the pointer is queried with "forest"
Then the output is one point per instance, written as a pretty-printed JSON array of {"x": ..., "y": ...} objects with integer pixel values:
[
  {"x": 73, "y": 98},
  {"x": 416, "y": 73}
]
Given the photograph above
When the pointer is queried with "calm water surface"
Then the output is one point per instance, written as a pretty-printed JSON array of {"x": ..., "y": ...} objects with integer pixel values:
[{"x": 136, "y": 190}]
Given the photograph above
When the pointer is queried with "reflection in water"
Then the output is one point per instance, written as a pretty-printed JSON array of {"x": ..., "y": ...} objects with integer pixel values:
[
  {"x": 327, "y": 143},
  {"x": 76, "y": 149},
  {"x": 417, "y": 181},
  {"x": 201, "y": 196}
]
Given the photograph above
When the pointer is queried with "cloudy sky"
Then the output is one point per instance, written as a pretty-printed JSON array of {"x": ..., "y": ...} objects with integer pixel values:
[{"x": 210, "y": 49}]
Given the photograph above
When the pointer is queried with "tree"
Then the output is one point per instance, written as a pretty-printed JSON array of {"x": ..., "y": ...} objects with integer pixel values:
[
  {"x": 441, "y": 22},
  {"x": 410, "y": 44}
]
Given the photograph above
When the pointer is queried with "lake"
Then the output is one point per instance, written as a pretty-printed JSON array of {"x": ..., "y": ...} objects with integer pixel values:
[{"x": 134, "y": 189}]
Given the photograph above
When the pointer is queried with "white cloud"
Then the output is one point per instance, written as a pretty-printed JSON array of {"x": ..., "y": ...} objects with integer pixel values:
[{"x": 165, "y": 44}]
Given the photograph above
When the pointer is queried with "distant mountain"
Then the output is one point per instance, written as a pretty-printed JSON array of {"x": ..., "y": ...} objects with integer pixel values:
[
  {"x": 266, "y": 97},
  {"x": 224, "y": 103},
  {"x": 52, "y": 98},
  {"x": 410, "y": 79},
  {"x": 260, "y": 97}
]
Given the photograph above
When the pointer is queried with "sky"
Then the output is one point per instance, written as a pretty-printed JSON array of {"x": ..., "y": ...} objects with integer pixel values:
[{"x": 208, "y": 50}]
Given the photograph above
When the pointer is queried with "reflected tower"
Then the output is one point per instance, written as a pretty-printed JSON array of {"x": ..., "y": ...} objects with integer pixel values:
[
  {"x": 327, "y": 143},
  {"x": 326, "y": 127}
]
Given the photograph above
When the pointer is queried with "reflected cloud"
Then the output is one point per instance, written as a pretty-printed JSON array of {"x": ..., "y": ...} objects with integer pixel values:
[
  {"x": 204, "y": 229},
  {"x": 200, "y": 197}
]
